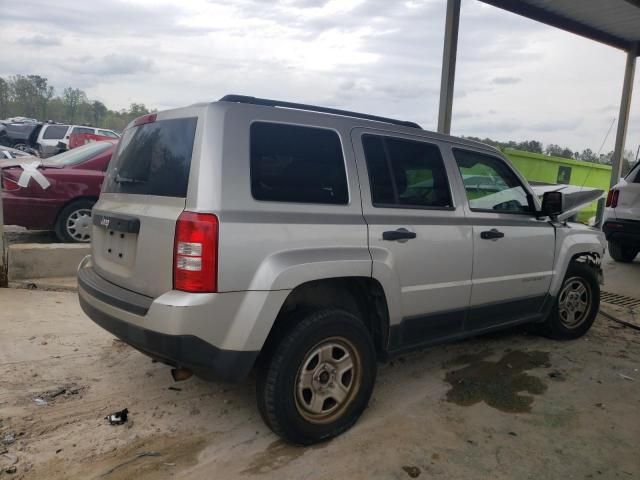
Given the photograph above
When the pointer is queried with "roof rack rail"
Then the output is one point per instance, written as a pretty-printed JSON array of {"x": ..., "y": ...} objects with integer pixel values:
[{"x": 312, "y": 108}]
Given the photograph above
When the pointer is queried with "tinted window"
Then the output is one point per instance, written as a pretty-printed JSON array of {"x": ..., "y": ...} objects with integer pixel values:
[
  {"x": 83, "y": 130},
  {"x": 490, "y": 184},
  {"x": 80, "y": 154},
  {"x": 564, "y": 174},
  {"x": 405, "y": 173},
  {"x": 634, "y": 175},
  {"x": 297, "y": 164},
  {"x": 55, "y": 132},
  {"x": 153, "y": 159}
]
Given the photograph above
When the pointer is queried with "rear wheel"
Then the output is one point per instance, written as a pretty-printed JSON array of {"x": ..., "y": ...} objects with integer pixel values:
[
  {"x": 621, "y": 253},
  {"x": 74, "y": 222},
  {"x": 319, "y": 378},
  {"x": 577, "y": 304}
]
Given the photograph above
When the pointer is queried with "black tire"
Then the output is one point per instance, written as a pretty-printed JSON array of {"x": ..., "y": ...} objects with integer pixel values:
[
  {"x": 281, "y": 398},
  {"x": 558, "y": 324},
  {"x": 621, "y": 253},
  {"x": 65, "y": 234}
]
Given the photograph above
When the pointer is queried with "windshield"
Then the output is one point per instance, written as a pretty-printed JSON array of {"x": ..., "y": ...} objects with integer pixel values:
[{"x": 80, "y": 154}]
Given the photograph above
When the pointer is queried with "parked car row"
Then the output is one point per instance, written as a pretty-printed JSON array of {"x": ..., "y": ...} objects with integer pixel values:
[{"x": 47, "y": 139}]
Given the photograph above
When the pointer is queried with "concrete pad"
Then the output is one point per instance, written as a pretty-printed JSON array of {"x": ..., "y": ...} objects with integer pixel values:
[
  {"x": 45, "y": 260},
  {"x": 621, "y": 278}
]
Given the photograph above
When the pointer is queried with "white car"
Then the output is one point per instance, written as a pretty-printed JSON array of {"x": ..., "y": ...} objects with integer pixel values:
[
  {"x": 621, "y": 223},
  {"x": 52, "y": 134}
]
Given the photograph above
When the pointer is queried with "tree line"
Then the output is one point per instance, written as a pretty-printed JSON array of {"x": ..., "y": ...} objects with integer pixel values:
[{"x": 32, "y": 96}]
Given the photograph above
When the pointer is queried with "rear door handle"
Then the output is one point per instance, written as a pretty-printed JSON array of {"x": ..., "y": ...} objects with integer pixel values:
[
  {"x": 492, "y": 234},
  {"x": 399, "y": 234}
]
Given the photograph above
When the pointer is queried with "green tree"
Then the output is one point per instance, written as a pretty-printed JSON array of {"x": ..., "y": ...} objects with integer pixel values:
[
  {"x": 25, "y": 94},
  {"x": 4, "y": 98},
  {"x": 72, "y": 99},
  {"x": 98, "y": 110},
  {"x": 44, "y": 93}
]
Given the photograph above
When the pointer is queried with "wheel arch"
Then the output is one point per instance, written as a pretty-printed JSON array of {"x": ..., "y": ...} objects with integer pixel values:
[
  {"x": 62, "y": 206},
  {"x": 364, "y": 297}
]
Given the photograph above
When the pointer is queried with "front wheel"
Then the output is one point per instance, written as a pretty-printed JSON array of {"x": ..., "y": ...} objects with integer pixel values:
[
  {"x": 74, "y": 222},
  {"x": 577, "y": 304},
  {"x": 319, "y": 378}
]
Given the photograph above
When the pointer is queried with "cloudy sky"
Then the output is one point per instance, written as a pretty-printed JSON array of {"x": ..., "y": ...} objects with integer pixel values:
[{"x": 516, "y": 79}]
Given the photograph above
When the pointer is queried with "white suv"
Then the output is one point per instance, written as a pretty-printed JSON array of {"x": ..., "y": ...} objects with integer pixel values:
[
  {"x": 622, "y": 217},
  {"x": 51, "y": 134},
  {"x": 309, "y": 243}
]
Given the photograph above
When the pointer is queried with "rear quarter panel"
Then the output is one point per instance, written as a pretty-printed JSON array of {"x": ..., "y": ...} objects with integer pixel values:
[{"x": 273, "y": 245}]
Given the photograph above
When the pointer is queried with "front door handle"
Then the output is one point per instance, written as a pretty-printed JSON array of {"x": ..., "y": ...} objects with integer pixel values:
[
  {"x": 492, "y": 234},
  {"x": 399, "y": 234}
]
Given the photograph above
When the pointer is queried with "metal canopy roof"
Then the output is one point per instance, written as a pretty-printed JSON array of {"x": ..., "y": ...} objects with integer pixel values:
[{"x": 613, "y": 22}]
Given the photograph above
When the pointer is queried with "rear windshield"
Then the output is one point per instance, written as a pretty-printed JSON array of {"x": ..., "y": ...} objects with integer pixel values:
[
  {"x": 80, "y": 154},
  {"x": 153, "y": 159},
  {"x": 55, "y": 132}
]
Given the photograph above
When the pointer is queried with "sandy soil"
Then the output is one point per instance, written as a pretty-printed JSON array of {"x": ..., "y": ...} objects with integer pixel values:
[{"x": 508, "y": 406}]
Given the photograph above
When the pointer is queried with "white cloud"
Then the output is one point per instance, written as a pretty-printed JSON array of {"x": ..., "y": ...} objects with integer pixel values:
[{"x": 516, "y": 79}]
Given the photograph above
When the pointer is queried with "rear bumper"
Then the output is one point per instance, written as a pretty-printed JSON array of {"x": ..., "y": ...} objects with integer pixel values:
[
  {"x": 177, "y": 328},
  {"x": 204, "y": 359},
  {"x": 627, "y": 231}
]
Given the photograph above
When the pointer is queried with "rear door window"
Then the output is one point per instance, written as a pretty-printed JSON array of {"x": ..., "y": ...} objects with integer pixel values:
[
  {"x": 55, "y": 132},
  {"x": 406, "y": 173},
  {"x": 291, "y": 163},
  {"x": 153, "y": 159}
]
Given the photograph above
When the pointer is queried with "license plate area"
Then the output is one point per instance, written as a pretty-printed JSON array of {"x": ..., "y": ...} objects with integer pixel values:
[
  {"x": 119, "y": 237},
  {"x": 119, "y": 247}
]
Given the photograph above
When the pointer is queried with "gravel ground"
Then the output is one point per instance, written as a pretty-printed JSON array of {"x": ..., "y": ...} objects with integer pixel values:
[{"x": 508, "y": 406}]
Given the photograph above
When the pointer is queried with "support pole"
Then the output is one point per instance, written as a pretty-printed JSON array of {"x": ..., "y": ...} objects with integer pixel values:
[
  {"x": 450, "y": 50},
  {"x": 623, "y": 117},
  {"x": 4, "y": 281}
]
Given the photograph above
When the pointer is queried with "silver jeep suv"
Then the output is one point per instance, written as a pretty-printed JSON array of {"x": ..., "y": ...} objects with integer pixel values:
[{"x": 309, "y": 243}]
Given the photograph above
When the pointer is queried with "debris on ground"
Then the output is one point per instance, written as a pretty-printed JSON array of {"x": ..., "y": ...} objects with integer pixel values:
[
  {"x": 175, "y": 389},
  {"x": 12, "y": 469},
  {"x": 626, "y": 377},
  {"x": 412, "y": 471},
  {"x": 118, "y": 418},
  {"x": 48, "y": 396},
  {"x": 556, "y": 374},
  {"x": 8, "y": 438}
]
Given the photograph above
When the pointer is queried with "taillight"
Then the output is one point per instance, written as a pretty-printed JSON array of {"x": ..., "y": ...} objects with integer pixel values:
[
  {"x": 612, "y": 198},
  {"x": 195, "y": 256}
]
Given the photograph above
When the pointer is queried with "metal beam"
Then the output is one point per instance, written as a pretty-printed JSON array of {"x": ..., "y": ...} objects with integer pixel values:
[
  {"x": 3, "y": 256},
  {"x": 544, "y": 15},
  {"x": 449, "y": 53},
  {"x": 623, "y": 116}
]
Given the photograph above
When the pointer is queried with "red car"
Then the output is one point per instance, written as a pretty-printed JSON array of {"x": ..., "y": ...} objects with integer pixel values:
[{"x": 56, "y": 193}]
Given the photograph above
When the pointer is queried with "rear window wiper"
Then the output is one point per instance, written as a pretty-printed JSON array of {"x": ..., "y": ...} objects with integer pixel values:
[{"x": 120, "y": 179}]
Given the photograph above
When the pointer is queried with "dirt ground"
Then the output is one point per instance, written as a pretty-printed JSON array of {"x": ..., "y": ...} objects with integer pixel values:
[{"x": 507, "y": 406}]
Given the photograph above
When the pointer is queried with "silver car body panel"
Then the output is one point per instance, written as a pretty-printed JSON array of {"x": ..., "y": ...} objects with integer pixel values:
[{"x": 266, "y": 249}]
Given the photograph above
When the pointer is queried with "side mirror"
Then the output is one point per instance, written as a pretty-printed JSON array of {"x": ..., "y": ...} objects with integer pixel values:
[{"x": 552, "y": 204}]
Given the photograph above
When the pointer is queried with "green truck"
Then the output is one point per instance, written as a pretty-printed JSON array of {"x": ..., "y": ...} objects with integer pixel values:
[{"x": 543, "y": 169}]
